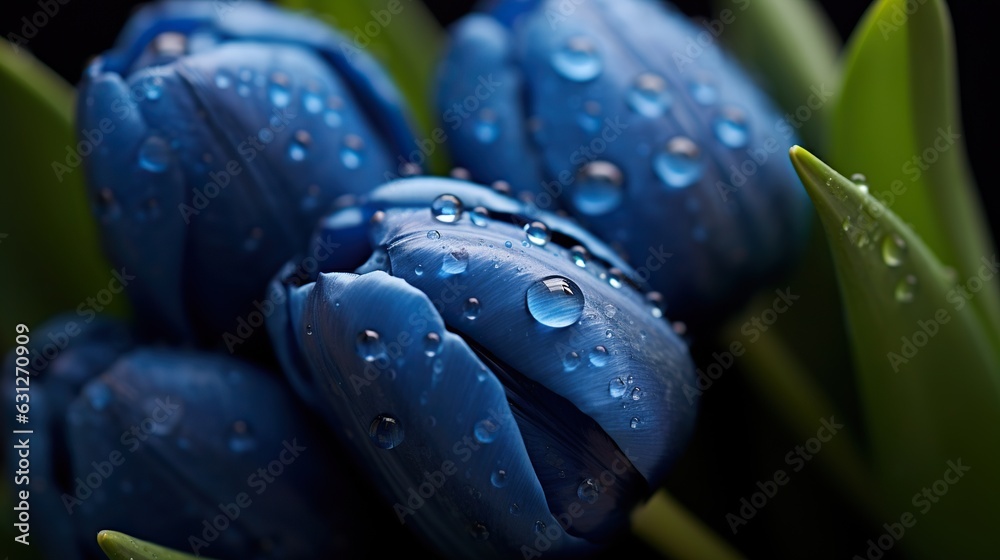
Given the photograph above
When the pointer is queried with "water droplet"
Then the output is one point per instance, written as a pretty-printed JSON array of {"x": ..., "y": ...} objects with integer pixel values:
[
  {"x": 906, "y": 289},
  {"x": 578, "y": 60},
  {"x": 486, "y": 431},
  {"x": 432, "y": 344},
  {"x": 309, "y": 330},
  {"x": 598, "y": 189},
  {"x": 539, "y": 527},
  {"x": 455, "y": 262},
  {"x": 447, "y": 209},
  {"x": 154, "y": 155},
  {"x": 589, "y": 491},
  {"x": 679, "y": 165},
  {"x": 241, "y": 441},
  {"x": 634, "y": 423},
  {"x": 616, "y": 278},
  {"x": 893, "y": 250},
  {"x": 154, "y": 89},
  {"x": 480, "y": 532},
  {"x": 418, "y": 270},
  {"x": 555, "y": 301},
  {"x": 636, "y": 393},
  {"x": 537, "y": 233},
  {"x": 369, "y": 345},
  {"x": 499, "y": 478},
  {"x": 278, "y": 91},
  {"x": 299, "y": 146},
  {"x": 656, "y": 304},
  {"x": 704, "y": 93},
  {"x": 579, "y": 256},
  {"x": 312, "y": 102},
  {"x": 486, "y": 128},
  {"x": 610, "y": 311},
  {"x": 222, "y": 80},
  {"x": 649, "y": 96},
  {"x": 386, "y": 432},
  {"x": 731, "y": 128},
  {"x": 508, "y": 244},
  {"x": 332, "y": 119},
  {"x": 617, "y": 388},
  {"x": 846, "y": 224},
  {"x": 480, "y": 216},
  {"x": 471, "y": 309},
  {"x": 350, "y": 154},
  {"x": 599, "y": 356},
  {"x": 571, "y": 361},
  {"x": 515, "y": 509},
  {"x": 859, "y": 178},
  {"x": 99, "y": 396},
  {"x": 433, "y": 234}
]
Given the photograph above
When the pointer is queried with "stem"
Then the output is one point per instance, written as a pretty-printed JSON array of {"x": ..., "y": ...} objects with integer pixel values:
[{"x": 677, "y": 533}]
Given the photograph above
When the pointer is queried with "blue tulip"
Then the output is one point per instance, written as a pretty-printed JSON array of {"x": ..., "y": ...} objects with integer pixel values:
[
  {"x": 216, "y": 135},
  {"x": 167, "y": 445},
  {"x": 619, "y": 113},
  {"x": 507, "y": 385}
]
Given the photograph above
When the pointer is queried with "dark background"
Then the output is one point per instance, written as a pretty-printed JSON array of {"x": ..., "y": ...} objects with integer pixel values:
[{"x": 810, "y": 520}]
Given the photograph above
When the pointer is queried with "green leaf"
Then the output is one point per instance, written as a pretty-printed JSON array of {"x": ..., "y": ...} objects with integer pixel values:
[
  {"x": 897, "y": 122},
  {"x": 793, "y": 47},
  {"x": 668, "y": 527},
  {"x": 402, "y": 34},
  {"x": 119, "y": 546},
  {"x": 49, "y": 253},
  {"x": 929, "y": 375}
]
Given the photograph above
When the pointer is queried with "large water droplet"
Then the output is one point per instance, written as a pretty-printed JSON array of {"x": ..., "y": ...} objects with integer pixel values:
[
  {"x": 369, "y": 345},
  {"x": 893, "y": 250},
  {"x": 455, "y": 262},
  {"x": 649, "y": 96},
  {"x": 299, "y": 146},
  {"x": 486, "y": 431},
  {"x": 278, "y": 91},
  {"x": 679, "y": 165},
  {"x": 599, "y": 356},
  {"x": 386, "y": 432},
  {"x": 555, "y": 301},
  {"x": 589, "y": 491},
  {"x": 731, "y": 128},
  {"x": 906, "y": 289},
  {"x": 537, "y": 233},
  {"x": 598, "y": 188},
  {"x": 499, "y": 478},
  {"x": 480, "y": 216},
  {"x": 579, "y": 256},
  {"x": 154, "y": 155},
  {"x": 447, "y": 209},
  {"x": 240, "y": 441},
  {"x": 351, "y": 154},
  {"x": 471, "y": 309},
  {"x": 578, "y": 60},
  {"x": 617, "y": 388}
]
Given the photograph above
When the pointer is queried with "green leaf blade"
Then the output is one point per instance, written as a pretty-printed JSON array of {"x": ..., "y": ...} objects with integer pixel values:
[
  {"x": 897, "y": 122},
  {"x": 928, "y": 398},
  {"x": 49, "y": 251},
  {"x": 119, "y": 546}
]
